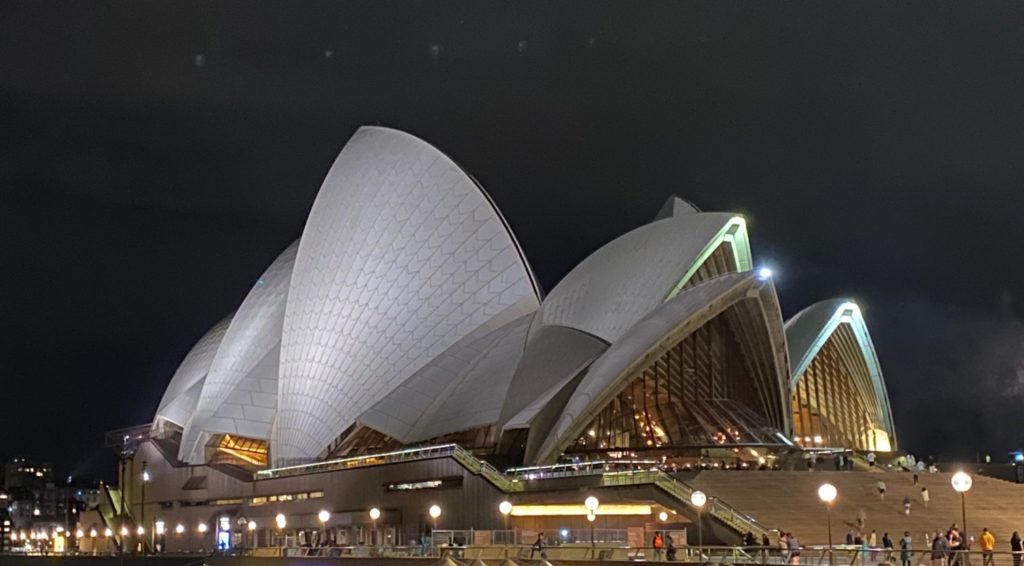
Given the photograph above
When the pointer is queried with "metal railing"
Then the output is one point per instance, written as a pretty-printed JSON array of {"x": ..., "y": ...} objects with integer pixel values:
[{"x": 408, "y": 455}]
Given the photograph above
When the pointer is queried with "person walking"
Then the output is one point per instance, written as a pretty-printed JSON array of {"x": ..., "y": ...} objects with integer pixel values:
[
  {"x": 887, "y": 546},
  {"x": 881, "y": 490},
  {"x": 871, "y": 459},
  {"x": 906, "y": 505},
  {"x": 540, "y": 545},
  {"x": 1016, "y": 548},
  {"x": 916, "y": 479},
  {"x": 906, "y": 549},
  {"x": 988, "y": 544},
  {"x": 862, "y": 518},
  {"x": 670, "y": 549},
  {"x": 925, "y": 497}
]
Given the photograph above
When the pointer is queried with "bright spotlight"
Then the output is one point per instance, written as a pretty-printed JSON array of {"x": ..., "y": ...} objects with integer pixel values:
[{"x": 764, "y": 273}]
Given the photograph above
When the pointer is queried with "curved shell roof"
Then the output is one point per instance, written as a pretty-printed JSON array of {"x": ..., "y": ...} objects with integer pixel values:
[
  {"x": 644, "y": 341},
  {"x": 810, "y": 329},
  {"x": 604, "y": 296},
  {"x": 240, "y": 393},
  {"x": 403, "y": 255},
  {"x": 182, "y": 393}
]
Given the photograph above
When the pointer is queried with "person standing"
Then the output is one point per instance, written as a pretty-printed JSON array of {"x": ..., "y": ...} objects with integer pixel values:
[
  {"x": 1016, "y": 547},
  {"x": 925, "y": 497},
  {"x": 906, "y": 549},
  {"x": 988, "y": 544},
  {"x": 793, "y": 545},
  {"x": 873, "y": 545},
  {"x": 906, "y": 505},
  {"x": 658, "y": 543},
  {"x": 849, "y": 535},
  {"x": 887, "y": 545},
  {"x": 940, "y": 547},
  {"x": 862, "y": 518}
]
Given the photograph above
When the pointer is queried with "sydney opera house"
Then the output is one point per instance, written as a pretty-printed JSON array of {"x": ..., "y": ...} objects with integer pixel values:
[{"x": 401, "y": 354}]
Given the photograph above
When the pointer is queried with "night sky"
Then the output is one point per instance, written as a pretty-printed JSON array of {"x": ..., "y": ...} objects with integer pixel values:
[{"x": 155, "y": 157}]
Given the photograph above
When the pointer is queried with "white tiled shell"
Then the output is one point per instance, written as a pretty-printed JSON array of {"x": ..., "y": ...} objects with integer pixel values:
[
  {"x": 630, "y": 276},
  {"x": 240, "y": 393},
  {"x": 403, "y": 255},
  {"x": 461, "y": 389},
  {"x": 176, "y": 406}
]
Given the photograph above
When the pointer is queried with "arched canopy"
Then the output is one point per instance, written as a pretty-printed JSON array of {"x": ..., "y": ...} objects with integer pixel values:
[
  {"x": 839, "y": 394},
  {"x": 757, "y": 325}
]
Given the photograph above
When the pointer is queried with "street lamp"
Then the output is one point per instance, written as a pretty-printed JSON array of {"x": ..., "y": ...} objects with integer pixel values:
[
  {"x": 179, "y": 529},
  {"x": 827, "y": 494},
  {"x": 435, "y": 512},
  {"x": 591, "y": 503},
  {"x": 252, "y": 529},
  {"x": 698, "y": 499},
  {"x": 505, "y": 507},
  {"x": 324, "y": 516},
  {"x": 374, "y": 515},
  {"x": 663, "y": 516},
  {"x": 142, "y": 512},
  {"x": 281, "y": 522},
  {"x": 962, "y": 483},
  {"x": 202, "y": 535}
]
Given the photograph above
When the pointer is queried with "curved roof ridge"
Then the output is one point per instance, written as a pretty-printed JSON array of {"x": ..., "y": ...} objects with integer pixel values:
[{"x": 192, "y": 369}]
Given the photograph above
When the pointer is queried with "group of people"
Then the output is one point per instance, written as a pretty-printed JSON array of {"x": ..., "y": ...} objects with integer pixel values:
[
  {"x": 951, "y": 548},
  {"x": 663, "y": 545}
]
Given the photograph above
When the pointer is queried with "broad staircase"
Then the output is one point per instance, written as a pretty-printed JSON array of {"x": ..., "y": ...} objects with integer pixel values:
[{"x": 788, "y": 501}]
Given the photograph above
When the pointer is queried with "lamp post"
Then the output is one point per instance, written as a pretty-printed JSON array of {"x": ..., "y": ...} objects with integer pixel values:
[
  {"x": 827, "y": 494},
  {"x": 505, "y": 507},
  {"x": 591, "y": 503},
  {"x": 698, "y": 499},
  {"x": 252, "y": 529},
  {"x": 435, "y": 512},
  {"x": 374, "y": 515},
  {"x": 324, "y": 515},
  {"x": 202, "y": 534},
  {"x": 962, "y": 483},
  {"x": 281, "y": 523},
  {"x": 142, "y": 509}
]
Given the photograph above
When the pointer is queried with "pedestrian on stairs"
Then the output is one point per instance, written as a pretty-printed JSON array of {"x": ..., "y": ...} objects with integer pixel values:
[
  {"x": 793, "y": 545},
  {"x": 906, "y": 505},
  {"x": 861, "y": 519},
  {"x": 940, "y": 548},
  {"x": 881, "y": 490},
  {"x": 873, "y": 545},
  {"x": 888, "y": 546},
  {"x": 1017, "y": 548},
  {"x": 925, "y": 497},
  {"x": 906, "y": 549},
  {"x": 988, "y": 544}
]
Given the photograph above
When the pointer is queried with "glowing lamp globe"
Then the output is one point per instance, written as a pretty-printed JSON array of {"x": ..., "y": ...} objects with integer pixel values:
[
  {"x": 698, "y": 499},
  {"x": 323, "y": 515},
  {"x": 591, "y": 503},
  {"x": 280, "y": 521},
  {"x": 962, "y": 482},
  {"x": 827, "y": 492},
  {"x": 179, "y": 529},
  {"x": 374, "y": 514},
  {"x": 201, "y": 528},
  {"x": 663, "y": 516},
  {"x": 435, "y": 511},
  {"x": 505, "y": 507},
  {"x": 252, "y": 525}
]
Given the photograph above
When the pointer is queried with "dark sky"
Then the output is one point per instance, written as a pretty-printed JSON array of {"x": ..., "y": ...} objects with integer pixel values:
[{"x": 156, "y": 156}]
